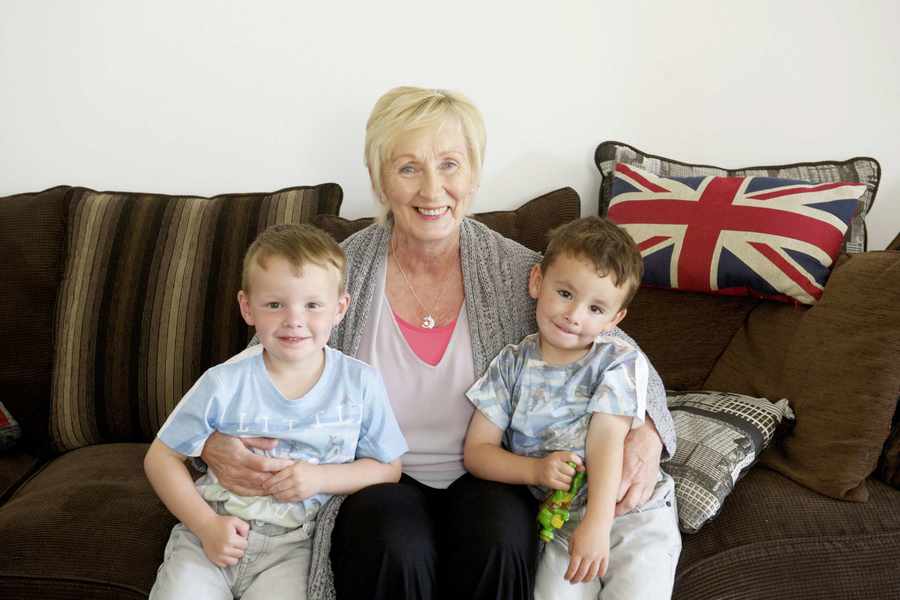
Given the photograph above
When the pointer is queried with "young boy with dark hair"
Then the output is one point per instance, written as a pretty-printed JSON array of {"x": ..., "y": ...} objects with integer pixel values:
[{"x": 569, "y": 394}]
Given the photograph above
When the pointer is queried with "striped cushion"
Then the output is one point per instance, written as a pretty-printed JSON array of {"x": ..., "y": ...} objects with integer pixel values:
[
  {"x": 148, "y": 302},
  {"x": 857, "y": 170}
]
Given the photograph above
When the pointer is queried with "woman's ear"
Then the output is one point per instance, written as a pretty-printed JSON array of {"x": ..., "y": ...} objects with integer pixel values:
[{"x": 534, "y": 281}]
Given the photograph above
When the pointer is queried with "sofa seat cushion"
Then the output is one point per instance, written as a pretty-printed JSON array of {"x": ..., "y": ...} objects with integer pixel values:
[
  {"x": 776, "y": 539},
  {"x": 88, "y": 525}
]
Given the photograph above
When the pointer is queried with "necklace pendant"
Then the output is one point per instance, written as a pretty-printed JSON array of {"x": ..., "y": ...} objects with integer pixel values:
[{"x": 428, "y": 322}]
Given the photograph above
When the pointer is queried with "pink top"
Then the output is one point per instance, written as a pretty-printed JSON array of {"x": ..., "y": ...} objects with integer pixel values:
[{"x": 428, "y": 344}]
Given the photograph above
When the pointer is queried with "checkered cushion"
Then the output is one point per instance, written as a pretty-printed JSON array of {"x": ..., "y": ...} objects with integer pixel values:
[
  {"x": 775, "y": 238},
  {"x": 720, "y": 435},
  {"x": 9, "y": 429}
]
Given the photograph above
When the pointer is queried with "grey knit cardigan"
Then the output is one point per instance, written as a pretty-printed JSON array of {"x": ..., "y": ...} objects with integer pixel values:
[{"x": 500, "y": 312}]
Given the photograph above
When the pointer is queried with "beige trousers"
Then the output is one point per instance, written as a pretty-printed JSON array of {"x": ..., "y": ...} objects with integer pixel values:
[
  {"x": 644, "y": 549},
  {"x": 275, "y": 566}
]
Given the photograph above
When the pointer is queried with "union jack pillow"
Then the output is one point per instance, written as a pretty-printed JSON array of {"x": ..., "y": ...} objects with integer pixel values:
[{"x": 773, "y": 238}]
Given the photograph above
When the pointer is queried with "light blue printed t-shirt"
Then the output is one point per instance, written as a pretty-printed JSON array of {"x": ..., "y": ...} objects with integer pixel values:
[
  {"x": 544, "y": 408},
  {"x": 346, "y": 415}
]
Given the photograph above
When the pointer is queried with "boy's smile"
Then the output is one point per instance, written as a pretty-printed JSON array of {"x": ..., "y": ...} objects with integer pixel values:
[
  {"x": 293, "y": 311},
  {"x": 574, "y": 305}
]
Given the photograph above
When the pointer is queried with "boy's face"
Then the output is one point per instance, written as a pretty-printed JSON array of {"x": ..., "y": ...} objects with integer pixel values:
[
  {"x": 574, "y": 305},
  {"x": 293, "y": 313}
]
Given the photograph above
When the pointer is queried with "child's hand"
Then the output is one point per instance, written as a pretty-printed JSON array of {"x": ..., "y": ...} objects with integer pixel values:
[
  {"x": 224, "y": 539},
  {"x": 297, "y": 482},
  {"x": 553, "y": 472},
  {"x": 588, "y": 552}
]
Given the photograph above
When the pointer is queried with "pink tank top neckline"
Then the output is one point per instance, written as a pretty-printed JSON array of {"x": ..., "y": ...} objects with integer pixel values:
[{"x": 428, "y": 344}]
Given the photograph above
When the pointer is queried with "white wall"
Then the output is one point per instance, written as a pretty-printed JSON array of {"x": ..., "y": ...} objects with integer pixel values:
[{"x": 205, "y": 96}]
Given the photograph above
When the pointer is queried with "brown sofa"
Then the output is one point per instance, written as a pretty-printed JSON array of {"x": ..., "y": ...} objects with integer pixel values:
[{"x": 113, "y": 304}]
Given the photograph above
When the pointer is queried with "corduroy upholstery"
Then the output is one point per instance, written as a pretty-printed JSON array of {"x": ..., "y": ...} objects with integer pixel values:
[
  {"x": 32, "y": 253},
  {"x": 86, "y": 524},
  {"x": 777, "y": 539}
]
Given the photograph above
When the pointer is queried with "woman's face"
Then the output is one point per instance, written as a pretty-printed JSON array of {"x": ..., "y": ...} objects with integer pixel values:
[{"x": 428, "y": 182}]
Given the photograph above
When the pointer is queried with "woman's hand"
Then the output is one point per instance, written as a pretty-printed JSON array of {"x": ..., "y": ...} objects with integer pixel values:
[
  {"x": 239, "y": 470},
  {"x": 640, "y": 468},
  {"x": 553, "y": 472}
]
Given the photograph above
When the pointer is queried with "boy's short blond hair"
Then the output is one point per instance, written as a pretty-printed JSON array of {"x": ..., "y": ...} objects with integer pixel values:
[
  {"x": 300, "y": 245},
  {"x": 605, "y": 245},
  {"x": 405, "y": 109}
]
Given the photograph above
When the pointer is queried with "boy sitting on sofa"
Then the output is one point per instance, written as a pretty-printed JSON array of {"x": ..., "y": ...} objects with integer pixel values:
[
  {"x": 329, "y": 412},
  {"x": 569, "y": 394}
]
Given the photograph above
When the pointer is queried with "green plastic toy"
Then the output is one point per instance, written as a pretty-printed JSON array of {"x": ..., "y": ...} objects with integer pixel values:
[{"x": 554, "y": 512}]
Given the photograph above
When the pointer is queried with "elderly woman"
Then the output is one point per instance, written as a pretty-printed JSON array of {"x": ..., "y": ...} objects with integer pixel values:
[{"x": 435, "y": 295}]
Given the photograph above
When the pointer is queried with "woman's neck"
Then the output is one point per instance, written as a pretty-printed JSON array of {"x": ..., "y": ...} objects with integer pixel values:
[{"x": 434, "y": 257}]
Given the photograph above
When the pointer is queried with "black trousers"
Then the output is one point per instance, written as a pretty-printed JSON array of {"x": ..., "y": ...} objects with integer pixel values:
[{"x": 475, "y": 540}]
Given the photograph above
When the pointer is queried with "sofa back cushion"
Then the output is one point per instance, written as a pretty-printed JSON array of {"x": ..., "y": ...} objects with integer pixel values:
[
  {"x": 837, "y": 363},
  {"x": 148, "y": 302},
  {"x": 32, "y": 237},
  {"x": 685, "y": 333}
]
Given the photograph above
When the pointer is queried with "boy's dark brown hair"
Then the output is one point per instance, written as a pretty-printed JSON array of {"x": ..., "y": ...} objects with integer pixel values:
[
  {"x": 605, "y": 245},
  {"x": 299, "y": 245}
]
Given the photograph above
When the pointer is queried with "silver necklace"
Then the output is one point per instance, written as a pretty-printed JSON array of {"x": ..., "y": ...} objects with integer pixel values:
[{"x": 428, "y": 321}]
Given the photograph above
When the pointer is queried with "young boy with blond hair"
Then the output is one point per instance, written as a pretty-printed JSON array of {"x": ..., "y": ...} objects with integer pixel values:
[
  {"x": 570, "y": 393},
  {"x": 328, "y": 412}
]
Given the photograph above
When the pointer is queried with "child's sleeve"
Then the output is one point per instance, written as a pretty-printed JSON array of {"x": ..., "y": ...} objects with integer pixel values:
[
  {"x": 194, "y": 418},
  {"x": 380, "y": 437},
  {"x": 623, "y": 387},
  {"x": 492, "y": 393}
]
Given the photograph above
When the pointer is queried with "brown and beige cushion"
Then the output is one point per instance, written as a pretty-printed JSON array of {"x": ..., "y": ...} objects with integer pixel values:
[
  {"x": 148, "y": 301},
  {"x": 836, "y": 363},
  {"x": 528, "y": 224},
  {"x": 859, "y": 170}
]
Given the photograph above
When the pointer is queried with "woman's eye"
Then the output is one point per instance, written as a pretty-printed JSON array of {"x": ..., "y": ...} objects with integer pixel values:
[
  {"x": 449, "y": 165},
  {"x": 407, "y": 170}
]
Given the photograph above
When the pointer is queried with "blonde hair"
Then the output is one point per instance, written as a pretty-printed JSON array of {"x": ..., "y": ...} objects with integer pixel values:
[
  {"x": 605, "y": 245},
  {"x": 300, "y": 245},
  {"x": 405, "y": 109}
]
